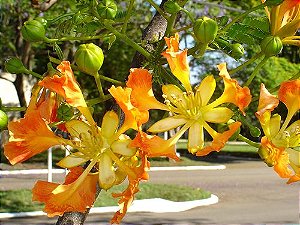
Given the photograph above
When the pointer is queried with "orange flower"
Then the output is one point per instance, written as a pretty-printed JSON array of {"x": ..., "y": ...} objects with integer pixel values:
[
  {"x": 277, "y": 146},
  {"x": 154, "y": 146},
  {"x": 178, "y": 61},
  {"x": 285, "y": 21},
  {"x": 66, "y": 86},
  {"x": 192, "y": 110},
  {"x": 76, "y": 194},
  {"x": 136, "y": 99},
  {"x": 29, "y": 136}
]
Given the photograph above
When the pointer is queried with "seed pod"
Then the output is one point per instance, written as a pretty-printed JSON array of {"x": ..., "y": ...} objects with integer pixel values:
[
  {"x": 14, "y": 65},
  {"x": 89, "y": 58},
  {"x": 33, "y": 31},
  {"x": 271, "y": 46},
  {"x": 205, "y": 30},
  {"x": 107, "y": 9}
]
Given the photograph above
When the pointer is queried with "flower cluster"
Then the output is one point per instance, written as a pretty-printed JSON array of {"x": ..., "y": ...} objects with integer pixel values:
[{"x": 280, "y": 143}]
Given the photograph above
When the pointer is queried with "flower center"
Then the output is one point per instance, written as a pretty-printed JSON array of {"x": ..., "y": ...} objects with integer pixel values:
[{"x": 187, "y": 105}]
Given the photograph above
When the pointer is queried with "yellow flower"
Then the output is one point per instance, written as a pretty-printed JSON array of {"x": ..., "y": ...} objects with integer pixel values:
[
  {"x": 278, "y": 146},
  {"x": 285, "y": 21},
  {"x": 192, "y": 110}
]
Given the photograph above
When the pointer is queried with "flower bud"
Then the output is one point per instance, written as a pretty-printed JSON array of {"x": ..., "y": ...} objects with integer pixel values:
[
  {"x": 42, "y": 20},
  {"x": 3, "y": 120},
  {"x": 107, "y": 9},
  {"x": 237, "y": 51},
  {"x": 205, "y": 30},
  {"x": 271, "y": 46},
  {"x": 33, "y": 31},
  {"x": 89, "y": 58},
  {"x": 65, "y": 112},
  {"x": 172, "y": 7},
  {"x": 14, "y": 65}
]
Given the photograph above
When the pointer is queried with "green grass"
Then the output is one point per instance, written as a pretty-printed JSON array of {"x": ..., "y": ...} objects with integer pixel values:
[{"x": 20, "y": 200}]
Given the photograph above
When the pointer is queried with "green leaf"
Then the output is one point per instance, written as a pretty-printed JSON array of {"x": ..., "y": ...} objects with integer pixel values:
[{"x": 58, "y": 51}]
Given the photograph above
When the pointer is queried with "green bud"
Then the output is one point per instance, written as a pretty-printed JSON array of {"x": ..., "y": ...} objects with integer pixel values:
[
  {"x": 3, "y": 120},
  {"x": 65, "y": 112},
  {"x": 271, "y": 46},
  {"x": 107, "y": 9},
  {"x": 33, "y": 31},
  {"x": 172, "y": 7},
  {"x": 89, "y": 58},
  {"x": 237, "y": 51},
  {"x": 14, "y": 65},
  {"x": 205, "y": 30},
  {"x": 42, "y": 20}
]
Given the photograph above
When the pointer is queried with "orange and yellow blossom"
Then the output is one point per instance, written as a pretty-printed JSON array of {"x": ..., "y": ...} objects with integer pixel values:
[
  {"x": 279, "y": 145},
  {"x": 192, "y": 110},
  {"x": 285, "y": 21}
]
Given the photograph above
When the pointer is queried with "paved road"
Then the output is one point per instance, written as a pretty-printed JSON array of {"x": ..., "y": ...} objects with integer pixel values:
[{"x": 249, "y": 192}]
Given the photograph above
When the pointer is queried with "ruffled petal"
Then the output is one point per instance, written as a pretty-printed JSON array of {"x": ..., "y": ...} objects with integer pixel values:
[
  {"x": 65, "y": 85},
  {"x": 142, "y": 97},
  {"x": 154, "y": 146},
  {"x": 178, "y": 61},
  {"x": 289, "y": 94},
  {"x": 219, "y": 140},
  {"x": 76, "y": 195},
  {"x": 29, "y": 136},
  {"x": 233, "y": 92},
  {"x": 134, "y": 118}
]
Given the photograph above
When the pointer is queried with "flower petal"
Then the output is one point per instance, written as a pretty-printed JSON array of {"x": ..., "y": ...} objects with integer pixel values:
[
  {"x": 29, "y": 136},
  {"x": 219, "y": 139},
  {"x": 289, "y": 94},
  {"x": 233, "y": 92},
  {"x": 154, "y": 146},
  {"x": 196, "y": 138},
  {"x": 73, "y": 160},
  {"x": 218, "y": 115},
  {"x": 122, "y": 147},
  {"x": 206, "y": 89},
  {"x": 76, "y": 196},
  {"x": 166, "y": 124},
  {"x": 174, "y": 94},
  {"x": 142, "y": 97},
  {"x": 178, "y": 61},
  {"x": 134, "y": 118},
  {"x": 267, "y": 102},
  {"x": 107, "y": 174},
  {"x": 110, "y": 123}
]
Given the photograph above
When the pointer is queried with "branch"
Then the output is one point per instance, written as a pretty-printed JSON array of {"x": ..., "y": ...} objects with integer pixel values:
[
  {"x": 153, "y": 33},
  {"x": 43, "y": 6}
]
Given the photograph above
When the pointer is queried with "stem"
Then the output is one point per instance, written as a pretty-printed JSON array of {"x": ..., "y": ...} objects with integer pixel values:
[
  {"x": 127, "y": 40},
  {"x": 241, "y": 16},
  {"x": 95, "y": 101},
  {"x": 157, "y": 8},
  {"x": 34, "y": 74},
  {"x": 128, "y": 14},
  {"x": 12, "y": 108},
  {"x": 256, "y": 70},
  {"x": 258, "y": 55},
  {"x": 182, "y": 29},
  {"x": 189, "y": 15},
  {"x": 248, "y": 141},
  {"x": 58, "y": 61},
  {"x": 85, "y": 38},
  {"x": 99, "y": 85}
]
